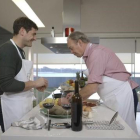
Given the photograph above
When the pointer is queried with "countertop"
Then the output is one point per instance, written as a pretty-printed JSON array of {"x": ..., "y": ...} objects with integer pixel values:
[{"x": 99, "y": 113}]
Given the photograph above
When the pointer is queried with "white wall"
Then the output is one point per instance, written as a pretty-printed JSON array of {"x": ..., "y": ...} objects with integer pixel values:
[
  {"x": 109, "y": 16},
  {"x": 97, "y": 16},
  {"x": 138, "y": 46},
  {"x": 119, "y": 45}
]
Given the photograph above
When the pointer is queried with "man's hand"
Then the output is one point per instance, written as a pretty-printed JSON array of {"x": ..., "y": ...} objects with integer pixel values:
[
  {"x": 69, "y": 96},
  {"x": 66, "y": 100},
  {"x": 40, "y": 84},
  {"x": 41, "y": 88}
]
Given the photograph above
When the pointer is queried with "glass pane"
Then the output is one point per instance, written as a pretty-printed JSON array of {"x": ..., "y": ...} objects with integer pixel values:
[
  {"x": 58, "y": 73},
  {"x": 125, "y": 57}
]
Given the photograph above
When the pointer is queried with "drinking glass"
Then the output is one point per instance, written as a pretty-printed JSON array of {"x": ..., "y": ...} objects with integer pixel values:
[
  {"x": 65, "y": 103},
  {"x": 48, "y": 105}
]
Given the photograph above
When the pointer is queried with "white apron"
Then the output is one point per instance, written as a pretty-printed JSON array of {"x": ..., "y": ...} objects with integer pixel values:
[
  {"x": 16, "y": 105},
  {"x": 118, "y": 96}
]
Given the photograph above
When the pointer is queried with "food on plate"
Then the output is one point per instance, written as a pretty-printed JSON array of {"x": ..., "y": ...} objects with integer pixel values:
[
  {"x": 48, "y": 100},
  {"x": 73, "y": 84},
  {"x": 55, "y": 110},
  {"x": 87, "y": 112},
  {"x": 91, "y": 104},
  {"x": 88, "y": 108},
  {"x": 70, "y": 81},
  {"x": 58, "y": 110},
  {"x": 67, "y": 88},
  {"x": 68, "y": 85},
  {"x": 84, "y": 107}
]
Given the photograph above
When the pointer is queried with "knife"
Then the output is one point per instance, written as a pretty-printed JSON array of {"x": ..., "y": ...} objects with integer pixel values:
[
  {"x": 49, "y": 125},
  {"x": 60, "y": 125},
  {"x": 113, "y": 118}
]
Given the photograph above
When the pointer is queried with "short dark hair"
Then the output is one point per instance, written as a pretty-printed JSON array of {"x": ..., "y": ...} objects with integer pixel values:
[
  {"x": 24, "y": 22},
  {"x": 79, "y": 35}
]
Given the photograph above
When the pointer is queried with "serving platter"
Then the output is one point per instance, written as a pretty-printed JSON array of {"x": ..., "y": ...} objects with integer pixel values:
[{"x": 44, "y": 112}]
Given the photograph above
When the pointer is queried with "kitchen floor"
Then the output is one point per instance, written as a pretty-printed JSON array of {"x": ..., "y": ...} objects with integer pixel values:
[{"x": 137, "y": 121}]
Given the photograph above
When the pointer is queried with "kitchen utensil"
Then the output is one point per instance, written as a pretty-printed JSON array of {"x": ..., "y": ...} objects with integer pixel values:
[
  {"x": 113, "y": 118},
  {"x": 44, "y": 112},
  {"x": 65, "y": 102},
  {"x": 68, "y": 31},
  {"x": 49, "y": 125},
  {"x": 48, "y": 105},
  {"x": 103, "y": 125},
  {"x": 60, "y": 125}
]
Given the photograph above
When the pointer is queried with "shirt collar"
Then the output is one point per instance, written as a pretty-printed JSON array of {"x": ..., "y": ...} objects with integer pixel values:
[{"x": 86, "y": 51}]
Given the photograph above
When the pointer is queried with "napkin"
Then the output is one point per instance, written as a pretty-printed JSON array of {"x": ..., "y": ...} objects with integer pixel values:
[{"x": 33, "y": 123}]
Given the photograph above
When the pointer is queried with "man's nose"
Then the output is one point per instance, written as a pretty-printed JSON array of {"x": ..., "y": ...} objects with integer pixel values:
[{"x": 35, "y": 38}]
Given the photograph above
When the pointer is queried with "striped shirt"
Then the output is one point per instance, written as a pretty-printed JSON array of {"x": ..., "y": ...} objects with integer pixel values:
[{"x": 101, "y": 61}]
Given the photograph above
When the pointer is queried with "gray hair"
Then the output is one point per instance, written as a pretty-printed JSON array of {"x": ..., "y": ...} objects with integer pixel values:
[{"x": 78, "y": 35}]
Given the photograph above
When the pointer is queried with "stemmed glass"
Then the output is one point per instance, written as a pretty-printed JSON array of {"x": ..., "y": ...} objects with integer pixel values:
[
  {"x": 48, "y": 105},
  {"x": 65, "y": 102}
]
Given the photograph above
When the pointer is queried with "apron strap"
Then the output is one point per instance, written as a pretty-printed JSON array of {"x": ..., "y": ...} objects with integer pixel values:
[{"x": 16, "y": 48}]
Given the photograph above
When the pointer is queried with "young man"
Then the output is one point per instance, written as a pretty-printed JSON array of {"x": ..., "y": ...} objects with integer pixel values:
[
  {"x": 107, "y": 76},
  {"x": 15, "y": 71}
]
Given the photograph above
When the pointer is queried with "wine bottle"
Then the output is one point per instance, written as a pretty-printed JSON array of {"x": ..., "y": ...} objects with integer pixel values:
[
  {"x": 52, "y": 32},
  {"x": 82, "y": 81},
  {"x": 76, "y": 109},
  {"x": 77, "y": 76}
]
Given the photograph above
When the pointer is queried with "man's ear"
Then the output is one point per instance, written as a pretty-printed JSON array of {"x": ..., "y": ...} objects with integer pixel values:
[
  {"x": 80, "y": 42},
  {"x": 22, "y": 31}
]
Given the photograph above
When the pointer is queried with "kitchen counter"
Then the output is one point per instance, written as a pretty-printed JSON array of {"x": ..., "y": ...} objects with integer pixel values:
[{"x": 99, "y": 113}]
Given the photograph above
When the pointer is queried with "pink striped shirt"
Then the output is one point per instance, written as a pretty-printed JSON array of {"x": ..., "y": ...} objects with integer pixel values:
[{"x": 101, "y": 62}]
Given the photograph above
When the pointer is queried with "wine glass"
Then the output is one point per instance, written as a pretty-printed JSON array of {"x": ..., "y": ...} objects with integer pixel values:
[
  {"x": 65, "y": 102},
  {"x": 48, "y": 105}
]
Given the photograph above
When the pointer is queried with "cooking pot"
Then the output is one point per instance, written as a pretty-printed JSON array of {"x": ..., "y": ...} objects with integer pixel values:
[{"x": 68, "y": 31}]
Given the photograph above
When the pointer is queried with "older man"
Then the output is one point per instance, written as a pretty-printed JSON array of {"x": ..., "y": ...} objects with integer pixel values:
[{"x": 107, "y": 76}]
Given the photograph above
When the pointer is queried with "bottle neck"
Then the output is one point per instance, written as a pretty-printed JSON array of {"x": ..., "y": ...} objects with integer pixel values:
[
  {"x": 82, "y": 75},
  {"x": 76, "y": 87}
]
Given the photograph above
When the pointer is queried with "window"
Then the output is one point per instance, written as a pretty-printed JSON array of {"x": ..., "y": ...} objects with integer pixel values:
[{"x": 58, "y": 73}]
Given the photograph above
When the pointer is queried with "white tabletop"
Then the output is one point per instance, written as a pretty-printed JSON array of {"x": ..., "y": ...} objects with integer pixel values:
[{"x": 99, "y": 113}]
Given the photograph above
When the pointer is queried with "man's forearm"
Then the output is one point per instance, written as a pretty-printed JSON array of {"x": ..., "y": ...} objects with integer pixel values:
[
  {"x": 40, "y": 84},
  {"x": 88, "y": 90},
  {"x": 29, "y": 85}
]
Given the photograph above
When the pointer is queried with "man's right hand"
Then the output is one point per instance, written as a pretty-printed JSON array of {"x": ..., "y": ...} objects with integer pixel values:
[
  {"x": 41, "y": 89},
  {"x": 40, "y": 83},
  {"x": 69, "y": 96}
]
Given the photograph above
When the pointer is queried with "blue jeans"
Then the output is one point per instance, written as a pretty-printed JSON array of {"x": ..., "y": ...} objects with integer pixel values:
[
  {"x": 1, "y": 119},
  {"x": 135, "y": 101}
]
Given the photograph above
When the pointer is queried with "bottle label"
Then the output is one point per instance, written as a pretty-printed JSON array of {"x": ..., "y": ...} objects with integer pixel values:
[{"x": 76, "y": 112}]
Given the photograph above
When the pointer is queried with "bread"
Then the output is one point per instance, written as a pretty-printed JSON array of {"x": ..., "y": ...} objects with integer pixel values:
[
  {"x": 84, "y": 107},
  {"x": 87, "y": 108},
  {"x": 58, "y": 110},
  {"x": 91, "y": 104},
  {"x": 87, "y": 112}
]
